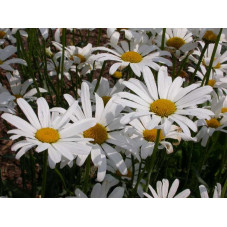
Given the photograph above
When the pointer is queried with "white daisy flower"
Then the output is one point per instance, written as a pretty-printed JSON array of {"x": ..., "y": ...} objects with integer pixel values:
[
  {"x": 48, "y": 132},
  {"x": 137, "y": 56},
  {"x": 6, "y": 53},
  {"x": 204, "y": 192},
  {"x": 167, "y": 103},
  {"x": 208, "y": 34},
  {"x": 20, "y": 90},
  {"x": 104, "y": 132},
  {"x": 102, "y": 190},
  {"x": 78, "y": 55},
  {"x": 6, "y": 33},
  {"x": 216, "y": 123},
  {"x": 215, "y": 80},
  {"x": 7, "y": 103},
  {"x": 104, "y": 90},
  {"x": 53, "y": 64},
  {"x": 177, "y": 39},
  {"x": 146, "y": 136},
  {"x": 218, "y": 66},
  {"x": 163, "y": 190}
]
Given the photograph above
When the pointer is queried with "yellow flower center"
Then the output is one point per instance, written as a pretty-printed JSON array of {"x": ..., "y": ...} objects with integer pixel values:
[
  {"x": 2, "y": 34},
  {"x": 81, "y": 57},
  {"x": 211, "y": 82},
  {"x": 223, "y": 109},
  {"x": 175, "y": 42},
  {"x": 210, "y": 36},
  {"x": 117, "y": 75},
  {"x": 129, "y": 174},
  {"x": 163, "y": 107},
  {"x": 213, "y": 123},
  {"x": 47, "y": 135},
  {"x": 1, "y": 62},
  {"x": 17, "y": 96},
  {"x": 97, "y": 132},
  {"x": 132, "y": 57},
  {"x": 150, "y": 135},
  {"x": 106, "y": 99},
  {"x": 218, "y": 66}
]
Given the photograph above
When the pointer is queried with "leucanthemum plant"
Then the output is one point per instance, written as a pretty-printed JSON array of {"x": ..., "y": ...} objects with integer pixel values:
[
  {"x": 47, "y": 132},
  {"x": 134, "y": 55},
  {"x": 105, "y": 132},
  {"x": 167, "y": 101},
  {"x": 113, "y": 113}
]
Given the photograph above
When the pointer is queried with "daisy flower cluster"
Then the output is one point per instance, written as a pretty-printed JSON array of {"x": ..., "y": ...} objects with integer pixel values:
[{"x": 135, "y": 112}]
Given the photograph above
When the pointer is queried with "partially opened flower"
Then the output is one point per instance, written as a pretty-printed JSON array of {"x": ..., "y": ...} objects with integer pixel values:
[
  {"x": 163, "y": 191},
  {"x": 102, "y": 190},
  {"x": 20, "y": 90},
  {"x": 105, "y": 132},
  {"x": 48, "y": 132},
  {"x": 204, "y": 192},
  {"x": 135, "y": 55},
  {"x": 168, "y": 102},
  {"x": 6, "y": 53}
]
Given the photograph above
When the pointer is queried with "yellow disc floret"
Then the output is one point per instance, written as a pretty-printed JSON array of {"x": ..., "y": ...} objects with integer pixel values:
[
  {"x": 129, "y": 174},
  {"x": 2, "y": 34},
  {"x": 132, "y": 57},
  {"x": 224, "y": 109},
  {"x": 1, "y": 62},
  {"x": 150, "y": 135},
  {"x": 81, "y": 57},
  {"x": 175, "y": 42},
  {"x": 106, "y": 99},
  {"x": 217, "y": 66},
  {"x": 117, "y": 75},
  {"x": 210, "y": 36},
  {"x": 213, "y": 123},
  {"x": 47, "y": 135},
  {"x": 97, "y": 132},
  {"x": 163, "y": 107},
  {"x": 211, "y": 82}
]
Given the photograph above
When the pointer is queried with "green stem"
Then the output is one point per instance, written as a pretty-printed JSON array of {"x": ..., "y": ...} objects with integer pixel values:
[
  {"x": 133, "y": 169},
  {"x": 44, "y": 178},
  {"x": 100, "y": 76},
  {"x": 224, "y": 189},
  {"x": 200, "y": 60},
  {"x": 87, "y": 173},
  {"x": 99, "y": 36},
  {"x": 182, "y": 65},
  {"x": 153, "y": 158},
  {"x": 33, "y": 174},
  {"x": 207, "y": 75},
  {"x": 174, "y": 66},
  {"x": 62, "y": 180},
  {"x": 63, "y": 58},
  {"x": 163, "y": 38}
]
